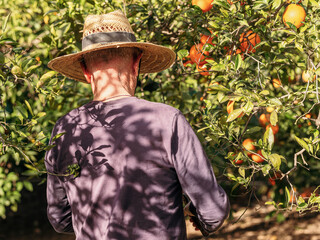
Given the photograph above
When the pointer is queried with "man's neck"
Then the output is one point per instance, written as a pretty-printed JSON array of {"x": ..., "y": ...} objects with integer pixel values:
[{"x": 111, "y": 85}]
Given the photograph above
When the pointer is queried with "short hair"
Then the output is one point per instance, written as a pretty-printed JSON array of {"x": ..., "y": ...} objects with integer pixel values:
[{"x": 109, "y": 54}]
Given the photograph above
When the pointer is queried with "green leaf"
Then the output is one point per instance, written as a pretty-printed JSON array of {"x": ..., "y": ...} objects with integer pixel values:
[
  {"x": 314, "y": 3},
  {"x": 45, "y": 77},
  {"x": 218, "y": 87},
  {"x": 183, "y": 53},
  {"x": 231, "y": 176},
  {"x": 31, "y": 68},
  {"x": 12, "y": 177},
  {"x": 220, "y": 96},
  {"x": 248, "y": 107},
  {"x": 28, "y": 185},
  {"x": 275, "y": 101},
  {"x": 271, "y": 203},
  {"x": 265, "y": 169},
  {"x": 234, "y": 114},
  {"x": 268, "y": 138},
  {"x": 275, "y": 160},
  {"x": 29, "y": 107},
  {"x": 23, "y": 111},
  {"x": 63, "y": 29},
  {"x": 276, "y": 4},
  {"x": 41, "y": 114},
  {"x": 238, "y": 62},
  {"x": 253, "y": 130},
  {"x": 57, "y": 136},
  {"x": 302, "y": 143},
  {"x": 4, "y": 26},
  {"x": 274, "y": 118},
  {"x": 218, "y": 67},
  {"x": 242, "y": 172}
]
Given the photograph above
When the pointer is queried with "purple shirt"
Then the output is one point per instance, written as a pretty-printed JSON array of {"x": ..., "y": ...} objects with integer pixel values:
[{"x": 136, "y": 157}]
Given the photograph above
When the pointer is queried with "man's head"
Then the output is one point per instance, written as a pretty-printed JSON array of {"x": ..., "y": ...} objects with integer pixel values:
[
  {"x": 122, "y": 56},
  {"x": 111, "y": 67},
  {"x": 111, "y": 31}
]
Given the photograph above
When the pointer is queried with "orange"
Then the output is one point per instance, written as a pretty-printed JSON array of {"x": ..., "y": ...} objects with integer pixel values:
[
  {"x": 248, "y": 40},
  {"x": 197, "y": 55},
  {"x": 203, "y": 70},
  {"x": 205, "y": 5},
  {"x": 256, "y": 158},
  {"x": 275, "y": 129},
  {"x": 46, "y": 19},
  {"x": 294, "y": 14},
  {"x": 276, "y": 83},
  {"x": 270, "y": 109},
  {"x": 306, "y": 192},
  {"x": 264, "y": 119},
  {"x": 238, "y": 51},
  {"x": 308, "y": 115},
  {"x": 38, "y": 59},
  {"x": 276, "y": 176},
  {"x": 306, "y": 75},
  {"x": 247, "y": 144},
  {"x": 238, "y": 162},
  {"x": 206, "y": 39},
  {"x": 230, "y": 108}
]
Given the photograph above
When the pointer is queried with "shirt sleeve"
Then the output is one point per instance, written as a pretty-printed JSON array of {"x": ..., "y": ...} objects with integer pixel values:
[
  {"x": 196, "y": 176},
  {"x": 58, "y": 207}
]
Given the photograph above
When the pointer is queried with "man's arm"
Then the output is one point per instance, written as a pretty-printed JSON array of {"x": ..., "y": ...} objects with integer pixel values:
[
  {"x": 195, "y": 173},
  {"x": 58, "y": 209}
]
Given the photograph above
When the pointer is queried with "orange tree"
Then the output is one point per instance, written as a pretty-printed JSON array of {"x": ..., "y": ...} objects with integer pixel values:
[{"x": 248, "y": 60}]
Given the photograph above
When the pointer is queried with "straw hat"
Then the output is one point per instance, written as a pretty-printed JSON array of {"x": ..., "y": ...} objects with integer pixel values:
[{"x": 112, "y": 30}]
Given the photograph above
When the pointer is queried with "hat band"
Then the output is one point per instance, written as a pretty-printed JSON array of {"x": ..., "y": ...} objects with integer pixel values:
[{"x": 107, "y": 37}]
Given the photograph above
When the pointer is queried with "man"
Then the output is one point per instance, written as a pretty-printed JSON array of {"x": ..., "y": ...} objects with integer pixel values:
[{"x": 135, "y": 157}]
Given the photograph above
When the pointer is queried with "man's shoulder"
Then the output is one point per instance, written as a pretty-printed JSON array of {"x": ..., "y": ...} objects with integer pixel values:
[
  {"x": 72, "y": 116},
  {"x": 158, "y": 107}
]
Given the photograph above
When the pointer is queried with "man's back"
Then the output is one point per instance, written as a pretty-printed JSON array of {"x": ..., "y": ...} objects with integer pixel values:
[{"x": 134, "y": 157}]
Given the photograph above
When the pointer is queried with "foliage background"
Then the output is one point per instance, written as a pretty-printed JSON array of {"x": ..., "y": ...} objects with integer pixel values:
[{"x": 33, "y": 97}]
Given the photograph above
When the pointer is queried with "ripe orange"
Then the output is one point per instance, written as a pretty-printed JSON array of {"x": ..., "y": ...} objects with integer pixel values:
[
  {"x": 294, "y": 14},
  {"x": 238, "y": 162},
  {"x": 247, "y": 144},
  {"x": 203, "y": 70},
  {"x": 197, "y": 55},
  {"x": 248, "y": 40},
  {"x": 206, "y": 39},
  {"x": 264, "y": 119},
  {"x": 270, "y": 109},
  {"x": 205, "y": 5},
  {"x": 230, "y": 108},
  {"x": 276, "y": 83},
  {"x": 238, "y": 51},
  {"x": 306, "y": 192},
  {"x": 306, "y": 75},
  {"x": 308, "y": 115},
  {"x": 256, "y": 158},
  {"x": 275, "y": 129},
  {"x": 276, "y": 176}
]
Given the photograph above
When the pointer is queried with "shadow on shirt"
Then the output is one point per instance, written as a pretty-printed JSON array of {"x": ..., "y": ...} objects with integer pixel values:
[{"x": 129, "y": 183}]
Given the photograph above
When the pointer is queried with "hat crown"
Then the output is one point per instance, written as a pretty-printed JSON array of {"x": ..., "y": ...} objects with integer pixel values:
[{"x": 111, "y": 22}]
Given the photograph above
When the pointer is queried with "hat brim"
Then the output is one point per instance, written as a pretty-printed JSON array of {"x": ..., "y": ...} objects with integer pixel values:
[{"x": 155, "y": 58}]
